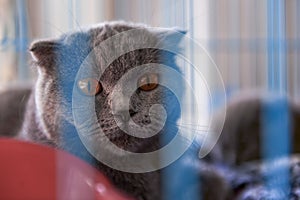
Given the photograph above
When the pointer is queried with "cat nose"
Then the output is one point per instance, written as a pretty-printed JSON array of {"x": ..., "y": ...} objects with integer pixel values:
[{"x": 122, "y": 115}]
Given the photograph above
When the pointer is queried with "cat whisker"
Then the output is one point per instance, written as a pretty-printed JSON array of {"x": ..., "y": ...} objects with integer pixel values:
[
  {"x": 80, "y": 108},
  {"x": 86, "y": 124},
  {"x": 93, "y": 132},
  {"x": 55, "y": 27},
  {"x": 190, "y": 127},
  {"x": 191, "y": 124},
  {"x": 196, "y": 127},
  {"x": 71, "y": 14},
  {"x": 195, "y": 143}
]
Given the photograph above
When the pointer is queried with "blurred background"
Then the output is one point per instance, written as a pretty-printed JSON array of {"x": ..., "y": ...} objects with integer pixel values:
[{"x": 254, "y": 43}]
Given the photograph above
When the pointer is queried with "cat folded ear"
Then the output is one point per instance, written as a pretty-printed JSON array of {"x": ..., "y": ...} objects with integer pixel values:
[
  {"x": 171, "y": 37},
  {"x": 43, "y": 50},
  {"x": 177, "y": 32}
]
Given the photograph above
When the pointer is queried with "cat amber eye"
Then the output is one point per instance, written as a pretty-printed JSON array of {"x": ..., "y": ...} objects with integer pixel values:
[
  {"x": 148, "y": 82},
  {"x": 90, "y": 86}
]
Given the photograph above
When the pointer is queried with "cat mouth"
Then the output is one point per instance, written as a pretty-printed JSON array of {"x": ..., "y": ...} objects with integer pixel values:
[{"x": 131, "y": 143}]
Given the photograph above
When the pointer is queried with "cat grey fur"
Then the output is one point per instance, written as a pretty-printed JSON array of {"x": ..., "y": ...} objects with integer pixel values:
[
  {"x": 49, "y": 120},
  {"x": 50, "y": 105}
]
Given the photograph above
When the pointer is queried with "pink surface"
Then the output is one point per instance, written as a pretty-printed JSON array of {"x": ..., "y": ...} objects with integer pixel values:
[{"x": 31, "y": 171}]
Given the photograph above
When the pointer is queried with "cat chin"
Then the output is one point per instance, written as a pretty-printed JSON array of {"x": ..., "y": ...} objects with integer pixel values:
[{"x": 130, "y": 143}]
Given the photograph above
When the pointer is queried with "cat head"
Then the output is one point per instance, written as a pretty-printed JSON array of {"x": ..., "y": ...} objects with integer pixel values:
[{"x": 124, "y": 89}]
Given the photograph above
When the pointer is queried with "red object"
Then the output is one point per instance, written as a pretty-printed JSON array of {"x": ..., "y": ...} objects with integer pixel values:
[{"x": 31, "y": 171}]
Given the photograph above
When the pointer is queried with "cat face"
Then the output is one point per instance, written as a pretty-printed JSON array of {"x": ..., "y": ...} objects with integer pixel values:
[{"x": 125, "y": 93}]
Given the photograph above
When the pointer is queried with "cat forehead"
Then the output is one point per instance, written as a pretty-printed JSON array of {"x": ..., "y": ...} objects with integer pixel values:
[
  {"x": 105, "y": 31},
  {"x": 72, "y": 49},
  {"x": 115, "y": 35},
  {"x": 108, "y": 39}
]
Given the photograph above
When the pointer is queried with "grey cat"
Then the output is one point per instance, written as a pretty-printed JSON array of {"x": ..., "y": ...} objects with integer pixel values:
[{"x": 49, "y": 119}]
